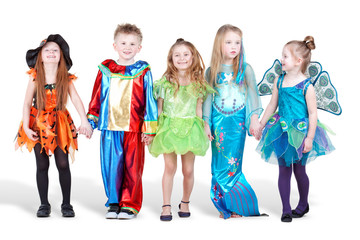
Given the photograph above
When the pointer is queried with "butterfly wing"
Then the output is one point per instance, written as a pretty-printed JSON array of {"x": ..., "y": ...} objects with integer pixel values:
[
  {"x": 326, "y": 94},
  {"x": 266, "y": 85}
]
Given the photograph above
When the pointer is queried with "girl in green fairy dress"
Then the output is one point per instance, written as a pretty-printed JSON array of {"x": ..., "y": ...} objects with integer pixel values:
[{"x": 180, "y": 93}]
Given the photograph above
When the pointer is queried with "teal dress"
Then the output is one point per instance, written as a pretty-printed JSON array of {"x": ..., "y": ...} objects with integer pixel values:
[
  {"x": 283, "y": 137},
  {"x": 228, "y": 112},
  {"x": 180, "y": 130}
]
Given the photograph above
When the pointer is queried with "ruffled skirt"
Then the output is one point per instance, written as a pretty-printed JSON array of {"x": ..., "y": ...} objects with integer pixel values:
[
  {"x": 282, "y": 141},
  {"x": 54, "y": 129},
  {"x": 179, "y": 135}
]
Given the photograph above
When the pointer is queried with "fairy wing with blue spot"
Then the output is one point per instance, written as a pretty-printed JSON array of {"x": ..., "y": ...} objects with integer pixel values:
[
  {"x": 313, "y": 71},
  {"x": 326, "y": 94},
  {"x": 266, "y": 85}
]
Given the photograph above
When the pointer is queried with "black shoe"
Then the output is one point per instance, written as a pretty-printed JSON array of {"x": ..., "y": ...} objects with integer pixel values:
[
  {"x": 113, "y": 211},
  {"x": 299, "y": 215},
  {"x": 44, "y": 210},
  {"x": 286, "y": 218},
  {"x": 183, "y": 214},
  {"x": 67, "y": 210}
]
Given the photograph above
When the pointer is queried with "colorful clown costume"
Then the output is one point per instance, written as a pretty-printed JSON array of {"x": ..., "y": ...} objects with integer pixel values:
[{"x": 122, "y": 107}]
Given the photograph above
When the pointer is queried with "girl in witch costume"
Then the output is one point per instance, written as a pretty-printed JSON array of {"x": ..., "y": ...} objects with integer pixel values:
[
  {"x": 228, "y": 115},
  {"x": 293, "y": 136},
  {"x": 47, "y": 126}
]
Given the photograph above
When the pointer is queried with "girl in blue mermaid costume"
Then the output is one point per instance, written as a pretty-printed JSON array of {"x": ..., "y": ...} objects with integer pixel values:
[
  {"x": 228, "y": 114},
  {"x": 293, "y": 136}
]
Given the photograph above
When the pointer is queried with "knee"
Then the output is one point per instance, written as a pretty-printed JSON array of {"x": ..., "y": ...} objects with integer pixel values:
[
  {"x": 170, "y": 169},
  {"x": 188, "y": 172}
]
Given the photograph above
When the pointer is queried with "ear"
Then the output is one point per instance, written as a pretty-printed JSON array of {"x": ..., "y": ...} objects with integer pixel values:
[
  {"x": 299, "y": 61},
  {"x": 114, "y": 45},
  {"x": 139, "y": 49}
]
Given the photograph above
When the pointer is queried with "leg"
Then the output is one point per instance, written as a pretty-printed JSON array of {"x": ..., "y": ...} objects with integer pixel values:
[
  {"x": 112, "y": 164},
  {"x": 134, "y": 156},
  {"x": 42, "y": 178},
  {"x": 62, "y": 164},
  {"x": 187, "y": 160},
  {"x": 303, "y": 187},
  {"x": 284, "y": 184},
  {"x": 167, "y": 180}
]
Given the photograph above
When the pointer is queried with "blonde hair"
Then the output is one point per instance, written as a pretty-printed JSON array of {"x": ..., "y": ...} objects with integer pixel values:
[
  {"x": 302, "y": 49},
  {"x": 217, "y": 55},
  {"x": 195, "y": 72},
  {"x": 128, "y": 28}
]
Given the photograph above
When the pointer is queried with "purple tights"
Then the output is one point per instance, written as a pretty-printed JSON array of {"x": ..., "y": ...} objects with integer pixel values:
[{"x": 284, "y": 186}]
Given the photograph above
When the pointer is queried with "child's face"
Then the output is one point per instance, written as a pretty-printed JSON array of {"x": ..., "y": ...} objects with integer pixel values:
[
  {"x": 231, "y": 47},
  {"x": 127, "y": 46},
  {"x": 288, "y": 60},
  {"x": 182, "y": 57},
  {"x": 50, "y": 53}
]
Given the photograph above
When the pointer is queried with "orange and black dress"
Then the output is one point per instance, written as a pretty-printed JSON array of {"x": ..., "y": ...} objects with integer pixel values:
[{"x": 55, "y": 128}]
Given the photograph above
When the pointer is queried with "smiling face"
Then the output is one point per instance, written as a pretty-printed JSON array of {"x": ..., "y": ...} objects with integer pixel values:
[
  {"x": 182, "y": 57},
  {"x": 288, "y": 60},
  {"x": 231, "y": 47},
  {"x": 127, "y": 46},
  {"x": 50, "y": 53}
]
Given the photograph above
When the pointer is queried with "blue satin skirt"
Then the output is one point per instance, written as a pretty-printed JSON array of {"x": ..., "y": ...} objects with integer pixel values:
[{"x": 230, "y": 192}]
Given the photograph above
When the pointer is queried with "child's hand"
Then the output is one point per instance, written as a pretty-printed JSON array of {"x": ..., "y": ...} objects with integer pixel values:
[
  {"x": 255, "y": 128},
  {"x": 85, "y": 129},
  {"x": 33, "y": 136},
  {"x": 308, "y": 144},
  {"x": 146, "y": 139},
  {"x": 208, "y": 131}
]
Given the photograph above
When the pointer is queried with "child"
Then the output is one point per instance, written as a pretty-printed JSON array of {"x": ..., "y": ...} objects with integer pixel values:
[
  {"x": 228, "y": 114},
  {"x": 293, "y": 137},
  {"x": 180, "y": 95},
  {"x": 47, "y": 126},
  {"x": 122, "y": 107}
]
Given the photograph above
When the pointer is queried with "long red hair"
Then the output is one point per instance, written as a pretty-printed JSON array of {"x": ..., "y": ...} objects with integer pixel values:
[{"x": 62, "y": 83}]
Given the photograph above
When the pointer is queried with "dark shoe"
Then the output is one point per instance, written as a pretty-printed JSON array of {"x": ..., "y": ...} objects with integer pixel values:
[
  {"x": 113, "y": 211},
  {"x": 166, "y": 218},
  {"x": 126, "y": 214},
  {"x": 67, "y": 210},
  {"x": 286, "y": 218},
  {"x": 299, "y": 215},
  {"x": 44, "y": 210},
  {"x": 183, "y": 214}
]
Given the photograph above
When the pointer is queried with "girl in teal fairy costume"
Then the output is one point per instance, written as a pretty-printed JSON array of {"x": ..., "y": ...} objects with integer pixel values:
[
  {"x": 229, "y": 113},
  {"x": 180, "y": 95},
  {"x": 293, "y": 137}
]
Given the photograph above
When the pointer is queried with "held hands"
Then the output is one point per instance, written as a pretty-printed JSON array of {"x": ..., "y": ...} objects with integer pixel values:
[
  {"x": 308, "y": 144},
  {"x": 146, "y": 139},
  {"x": 208, "y": 131},
  {"x": 256, "y": 128},
  {"x": 33, "y": 136},
  {"x": 85, "y": 129}
]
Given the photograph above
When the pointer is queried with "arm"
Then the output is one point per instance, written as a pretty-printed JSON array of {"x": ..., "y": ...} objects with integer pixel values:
[
  {"x": 85, "y": 127},
  {"x": 94, "y": 105},
  {"x": 312, "y": 110},
  {"x": 253, "y": 102},
  {"x": 270, "y": 109},
  {"x": 206, "y": 109},
  {"x": 29, "y": 95}
]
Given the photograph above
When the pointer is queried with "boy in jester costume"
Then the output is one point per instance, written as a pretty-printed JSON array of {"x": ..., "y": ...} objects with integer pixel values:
[{"x": 123, "y": 108}]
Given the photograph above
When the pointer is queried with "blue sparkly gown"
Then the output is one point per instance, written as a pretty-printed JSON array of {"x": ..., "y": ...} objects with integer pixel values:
[{"x": 228, "y": 113}]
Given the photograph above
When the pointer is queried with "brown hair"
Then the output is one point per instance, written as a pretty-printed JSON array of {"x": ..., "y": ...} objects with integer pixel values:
[
  {"x": 217, "y": 56},
  {"x": 195, "y": 72},
  {"x": 128, "y": 28},
  {"x": 302, "y": 49},
  {"x": 62, "y": 83}
]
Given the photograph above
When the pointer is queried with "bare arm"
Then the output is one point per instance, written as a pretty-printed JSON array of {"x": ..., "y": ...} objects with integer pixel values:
[
  {"x": 85, "y": 127},
  {"x": 312, "y": 110},
  {"x": 30, "y": 91}
]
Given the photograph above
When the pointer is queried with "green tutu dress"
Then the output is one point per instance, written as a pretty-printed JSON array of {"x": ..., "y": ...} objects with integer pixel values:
[{"x": 180, "y": 130}]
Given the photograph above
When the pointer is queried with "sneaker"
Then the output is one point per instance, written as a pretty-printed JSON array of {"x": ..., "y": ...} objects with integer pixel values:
[
  {"x": 113, "y": 211},
  {"x": 67, "y": 210},
  {"x": 44, "y": 210},
  {"x": 126, "y": 214}
]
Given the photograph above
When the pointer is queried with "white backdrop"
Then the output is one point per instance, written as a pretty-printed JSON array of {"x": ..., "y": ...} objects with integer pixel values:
[{"x": 88, "y": 27}]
